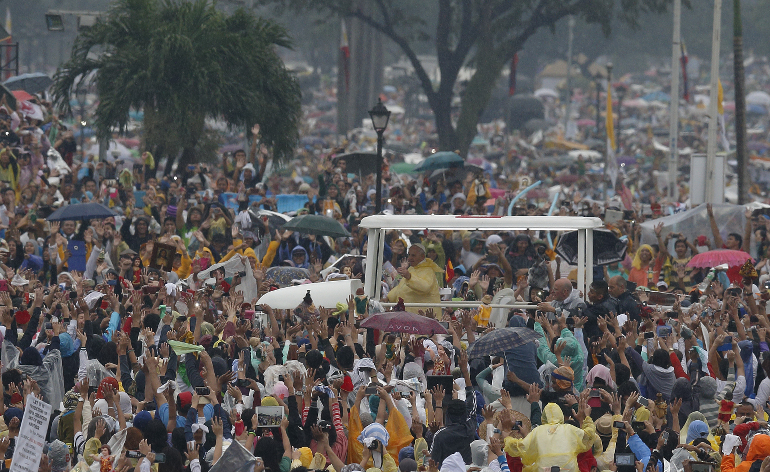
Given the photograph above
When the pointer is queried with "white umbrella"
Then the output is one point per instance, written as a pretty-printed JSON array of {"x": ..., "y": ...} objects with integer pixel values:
[
  {"x": 413, "y": 158},
  {"x": 758, "y": 98},
  {"x": 546, "y": 92}
]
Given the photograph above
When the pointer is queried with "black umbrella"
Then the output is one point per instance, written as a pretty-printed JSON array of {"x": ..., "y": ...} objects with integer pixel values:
[
  {"x": 501, "y": 340},
  {"x": 31, "y": 83},
  {"x": 607, "y": 248},
  {"x": 81, "y": 211},
  {"x": 359, "y": 163}
]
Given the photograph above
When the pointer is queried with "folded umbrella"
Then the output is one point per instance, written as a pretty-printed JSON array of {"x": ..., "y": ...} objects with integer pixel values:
[
  {"x": 501, "y": 340},
  {"x": 403, "y": 322}
]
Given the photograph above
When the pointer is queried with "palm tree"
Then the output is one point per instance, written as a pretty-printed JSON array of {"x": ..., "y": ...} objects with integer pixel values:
[{"x": 182, "y": 62}]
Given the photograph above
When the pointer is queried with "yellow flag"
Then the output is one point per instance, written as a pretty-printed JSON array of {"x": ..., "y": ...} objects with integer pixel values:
[
  {"x": 720, "y": 98},
  {"x": 610, "y": 121}
]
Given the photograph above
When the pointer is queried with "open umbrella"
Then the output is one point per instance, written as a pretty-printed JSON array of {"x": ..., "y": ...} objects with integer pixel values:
[
  {"x": 359, "y": 163},
  {"x": 318, "y": 225},
  {"x": 450, "y": 175},
  {"x": 404, "y": 322},
  {"x": 21, "y": 95},
  {"x": 81, "y": 211},
  {"x": 274, "y": 219},
  {"x": 501, "y": 340},
  {"x": 707, "y": 260},
  {"x": 32, "y": 83},
  {"x": 284, "y": 275},
  {"x": 607, "y": 248},
  {"x": 758, "y": 98},
  {"x": 441, "y": 160}
]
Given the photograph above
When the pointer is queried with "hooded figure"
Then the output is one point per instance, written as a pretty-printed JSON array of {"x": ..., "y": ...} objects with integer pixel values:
[
  {"x": 690, "y": 402},
  {"x": 758, "y": 450},
  {"x": 295, "y": 252},
  {"x": 552, "y": 443}
]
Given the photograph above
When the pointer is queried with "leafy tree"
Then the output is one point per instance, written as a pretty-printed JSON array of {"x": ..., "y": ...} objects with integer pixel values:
[
  {"x": 481, "y": 34},
  {"x": 183, "y": 62}
]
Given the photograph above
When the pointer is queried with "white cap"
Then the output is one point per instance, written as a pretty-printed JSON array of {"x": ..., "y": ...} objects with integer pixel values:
[{"x": 493, "y": 239}]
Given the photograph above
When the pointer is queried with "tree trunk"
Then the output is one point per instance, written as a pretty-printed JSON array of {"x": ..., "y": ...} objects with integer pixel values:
[
  {"x": 477, "y": 95},
  {"x": 441, "y": 104},
  {"x": 740, "y": 106}
]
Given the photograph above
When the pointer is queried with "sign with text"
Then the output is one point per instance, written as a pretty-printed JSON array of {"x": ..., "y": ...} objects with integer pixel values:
[{"x": 29, "y": 443}]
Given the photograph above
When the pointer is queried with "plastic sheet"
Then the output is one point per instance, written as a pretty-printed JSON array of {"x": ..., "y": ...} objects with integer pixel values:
[
  {"x": 695, "y": 222},
  {"x": 49, "y": 376}
]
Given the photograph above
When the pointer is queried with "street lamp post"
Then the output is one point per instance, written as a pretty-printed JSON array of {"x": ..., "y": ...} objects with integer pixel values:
[
  {"x": 80, "y": 94},
  {"x": 380, "y": 116}
]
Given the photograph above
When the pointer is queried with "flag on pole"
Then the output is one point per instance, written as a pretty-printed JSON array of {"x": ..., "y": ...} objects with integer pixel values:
[
  {"x": 345, "y": 50},
  {"x": 450, "y": 271},
  {"x": 512, "y": 75},
  {"x": 8, "y": 41},
  {"x": 683, "y": 60},
  {"x": 612, "y": 162},
  {"x": 721, "y": 117}
]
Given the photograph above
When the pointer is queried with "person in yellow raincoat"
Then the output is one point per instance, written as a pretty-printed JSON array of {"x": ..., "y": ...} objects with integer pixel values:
[
  {"x": 396, "y": 427},
  {"x": 419, "y": 283},
  {"x": 554, "y": 442}
]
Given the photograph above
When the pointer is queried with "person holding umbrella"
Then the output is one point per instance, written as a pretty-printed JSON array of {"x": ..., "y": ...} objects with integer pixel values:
[{"x": 418, "y": 283}]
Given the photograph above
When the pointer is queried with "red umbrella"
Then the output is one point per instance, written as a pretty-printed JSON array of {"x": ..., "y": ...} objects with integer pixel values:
[
  {"x": 707, "y": 260},
  {"x": 404, "y": 322},
  {"x": 567, "y": 179},
  {"x": 21, "y": 95}
]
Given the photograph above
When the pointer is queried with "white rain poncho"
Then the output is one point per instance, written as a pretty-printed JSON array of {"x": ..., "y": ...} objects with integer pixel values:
[{"x": 49, "y": 376}]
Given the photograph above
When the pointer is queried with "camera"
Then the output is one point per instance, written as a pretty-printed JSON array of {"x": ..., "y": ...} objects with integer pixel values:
[
  {"x": 374, "y": 445},
  {"x": 325, "y": 426},
  {"x": 202, "y": 391}
]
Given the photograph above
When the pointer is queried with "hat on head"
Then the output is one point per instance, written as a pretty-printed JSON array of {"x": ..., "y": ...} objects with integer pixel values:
[
  {"x": 269, "y": 401},
  {"x": 111, "y": 381},
  {"x": 59, "y": 454},
  {"x": 22, "y": 317},
  {"x": 604, "y": 425},
  {"x": 407, "y": 464},
  {"x": 127, "y": 253},
  {"x": 305, "y": 456},
  {"x": 185, "y": 399},
  {"x": 405, "y": 453},
  {"x": 493, "y": 239},
  {"x": 142, "y": 419},
  {"x": 305, "y": 187},
  {"x": 420, "y": 246},
  {"x": 563, "y": 377}
]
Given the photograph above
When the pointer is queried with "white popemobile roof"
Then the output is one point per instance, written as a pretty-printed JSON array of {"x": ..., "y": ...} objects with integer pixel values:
[{"x": 481, "y": 223}]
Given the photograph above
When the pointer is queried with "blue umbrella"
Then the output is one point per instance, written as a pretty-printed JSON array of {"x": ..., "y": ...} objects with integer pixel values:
[
  {"x": 31, "y": 83},
  {"x": 441, "y": 160},
  {"x": 657, "y": 96},
  {"x": 81, "y": 211}
]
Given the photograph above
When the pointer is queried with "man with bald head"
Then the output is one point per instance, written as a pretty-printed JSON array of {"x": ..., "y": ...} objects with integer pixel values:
[
  {"x": 566, "y": 300},
  {"x": 626, "y": 301},
  {"x": 418, "y": 283}
]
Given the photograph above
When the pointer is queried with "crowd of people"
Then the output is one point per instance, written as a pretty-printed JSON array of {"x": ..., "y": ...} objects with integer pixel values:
[{"x": 144, "y": 332}]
